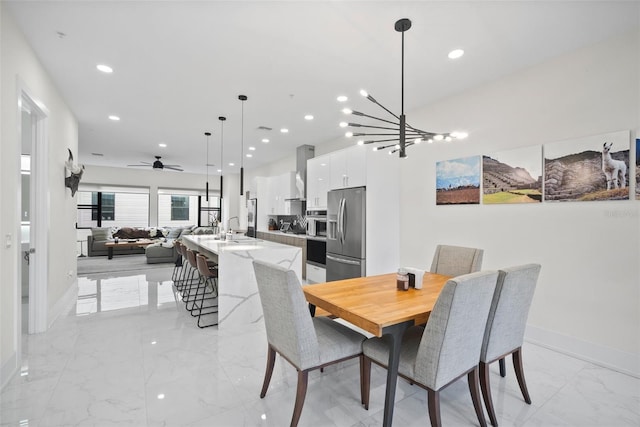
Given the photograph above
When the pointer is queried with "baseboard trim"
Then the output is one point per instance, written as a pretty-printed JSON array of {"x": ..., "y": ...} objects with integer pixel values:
[
  {"x": 8, "y": 370},
  {"x": 607, "y": 357},
  {"x": 64, "y": 304}
]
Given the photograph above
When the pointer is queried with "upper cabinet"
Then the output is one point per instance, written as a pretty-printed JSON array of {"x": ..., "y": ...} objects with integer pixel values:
[
  {"x": 318, "y": 181},
  {"x": 349, "y": 167},
  {"x": 279, "y": 189}
]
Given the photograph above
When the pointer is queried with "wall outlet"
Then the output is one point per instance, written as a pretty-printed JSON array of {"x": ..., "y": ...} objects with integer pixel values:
[{"x": 8, "y": 240}]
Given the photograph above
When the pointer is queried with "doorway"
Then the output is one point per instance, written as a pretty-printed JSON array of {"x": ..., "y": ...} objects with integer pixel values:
[{"x": 33, "y": 188}]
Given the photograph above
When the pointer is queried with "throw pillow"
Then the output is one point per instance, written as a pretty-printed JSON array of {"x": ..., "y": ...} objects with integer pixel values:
[
  {"x": 101, "y": 233},
  {"x": 174, "y": 232}
]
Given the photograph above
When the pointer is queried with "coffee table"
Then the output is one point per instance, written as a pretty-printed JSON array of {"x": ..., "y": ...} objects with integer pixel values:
[{"x": 140, "y": 243}]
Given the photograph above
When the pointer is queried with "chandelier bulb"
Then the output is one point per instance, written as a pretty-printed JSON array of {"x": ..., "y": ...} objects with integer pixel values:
[
  {"x": 347, "y": 111},
  {"x": 344, "y": 124},
  {"x": 364, "y": 93}
]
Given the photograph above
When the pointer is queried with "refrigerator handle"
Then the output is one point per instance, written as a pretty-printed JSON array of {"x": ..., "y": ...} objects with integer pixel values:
[
  {"x": 342, "y": 219},
  {"x": 339, "y": 221},
  {"x": 342, "y": 260}
]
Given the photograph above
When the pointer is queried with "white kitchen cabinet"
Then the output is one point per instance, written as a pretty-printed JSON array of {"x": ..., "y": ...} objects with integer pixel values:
[
  {"x": 280, "y": 188},
  {"x": 316, "y": 274},
  {"x": 349, "y": 168},
  {"x": 318, "y": 181}
]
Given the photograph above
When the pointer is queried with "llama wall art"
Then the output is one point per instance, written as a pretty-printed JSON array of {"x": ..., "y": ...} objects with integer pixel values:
[{"x": 588, "y": 168}]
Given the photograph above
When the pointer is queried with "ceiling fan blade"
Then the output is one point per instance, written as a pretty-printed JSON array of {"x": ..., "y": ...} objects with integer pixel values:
[
  {"x": 173, "y": 168},
  {"x": 140, "y": 165}
]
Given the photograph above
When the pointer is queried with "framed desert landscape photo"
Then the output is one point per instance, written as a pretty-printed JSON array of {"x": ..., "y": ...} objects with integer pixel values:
[
  {"x": 587, "y": 169},
  {"x": 513, "y": 176},
  {"x": 458, "y": 181}
]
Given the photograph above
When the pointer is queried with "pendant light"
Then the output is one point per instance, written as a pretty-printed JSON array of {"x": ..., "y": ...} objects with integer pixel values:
[
  {"x": 207, "y": 134},
  {"x": 242, "y": 98},
  {"x": 222, "y": 119}
]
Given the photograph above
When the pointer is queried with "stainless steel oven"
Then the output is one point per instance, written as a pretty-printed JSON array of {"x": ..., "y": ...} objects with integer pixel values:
[
  {"x": 317, "y": 251},
  {"x": 317, "y": 224},
  {"x": 317, "y": 237}
]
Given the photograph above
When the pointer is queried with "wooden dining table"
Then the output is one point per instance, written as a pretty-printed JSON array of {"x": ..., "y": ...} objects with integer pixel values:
[{"x": 376, "y": 305}]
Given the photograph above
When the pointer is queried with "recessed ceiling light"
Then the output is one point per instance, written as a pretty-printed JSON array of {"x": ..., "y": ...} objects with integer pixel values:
[
  {"x": 162, "y": 144},
  {"x": 252, "y": 148},
  {"x": 219, "y": 170},
  {"x": 161, "y": 396},
  {"x": 284, "y": 130},
  {"x": 104, "y": 68},
  {"x": 456, "y": 53},
  {"x": 308, "y": 117},
  {"x": 232, "y": 164},
  {"x": 265, "y": 140},
  {"x": 342, "y": 98},
  {"x": 249, "y": 155},
  {"x": 114, "y": 118}
]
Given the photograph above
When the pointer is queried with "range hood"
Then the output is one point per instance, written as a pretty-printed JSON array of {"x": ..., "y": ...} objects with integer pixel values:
[{"x": 303, "y": 153}]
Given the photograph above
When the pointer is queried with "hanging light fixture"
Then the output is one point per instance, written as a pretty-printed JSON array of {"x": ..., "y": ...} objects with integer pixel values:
[
  {"x": 403, "y": 135},
  {"x": 207, "y": 134},
  {"x": 222, "y": 119},
  {"x": 242, "y": 98}
]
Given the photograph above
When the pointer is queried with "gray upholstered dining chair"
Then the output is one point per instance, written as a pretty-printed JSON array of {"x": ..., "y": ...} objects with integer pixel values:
[
  {"x": 506, "y": 323},
  {"x": 456, "y": 260},
  {"x": 449, "y": 345},
  {"x": 305, "y": 342}
]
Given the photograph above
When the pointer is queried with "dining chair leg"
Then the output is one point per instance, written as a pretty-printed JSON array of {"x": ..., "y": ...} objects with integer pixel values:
[
  {"x": 485, "y": 386},
  {"x": 475, "y": 396},
  {"x": 301, "y": 392},
  {"x": 503, "y": 368},
  {"x": 271, "y": 361},
  {"x": 517, "y": 364},
  {"x": 365, "y": 376},
  {"x": 433, "y": 402}
]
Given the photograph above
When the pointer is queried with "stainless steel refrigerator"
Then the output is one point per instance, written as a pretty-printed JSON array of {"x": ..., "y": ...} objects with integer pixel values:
[
  {"x": 252, "y": 217},
  {"x": 346, "y": 232}
]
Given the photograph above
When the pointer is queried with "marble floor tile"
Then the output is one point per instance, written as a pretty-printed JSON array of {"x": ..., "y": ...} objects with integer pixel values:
[{"x": 129, "y": 354}]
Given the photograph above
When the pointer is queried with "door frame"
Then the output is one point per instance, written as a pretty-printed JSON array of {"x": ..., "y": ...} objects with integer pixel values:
[{"x": 39, "y": 223}]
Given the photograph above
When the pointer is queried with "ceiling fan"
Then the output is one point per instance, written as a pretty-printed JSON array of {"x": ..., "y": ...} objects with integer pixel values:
[{"x": 158, "y": 165}]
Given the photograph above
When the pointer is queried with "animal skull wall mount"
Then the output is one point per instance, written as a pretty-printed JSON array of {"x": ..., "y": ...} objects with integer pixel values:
[{"x": 76, "y": 172}]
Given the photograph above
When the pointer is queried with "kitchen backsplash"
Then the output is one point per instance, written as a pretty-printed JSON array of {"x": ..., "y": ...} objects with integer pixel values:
[{"x": 298, "y": 222}]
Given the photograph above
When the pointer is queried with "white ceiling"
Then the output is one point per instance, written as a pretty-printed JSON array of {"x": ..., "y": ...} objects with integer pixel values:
[{"x": 178, "y": 65}]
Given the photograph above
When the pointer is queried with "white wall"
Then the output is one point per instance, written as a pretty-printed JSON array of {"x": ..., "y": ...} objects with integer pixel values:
[
  {"x": 19, "y": 64},
  {"x": 588, "y": 296}
]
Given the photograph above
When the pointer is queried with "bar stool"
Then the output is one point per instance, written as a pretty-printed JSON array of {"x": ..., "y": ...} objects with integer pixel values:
[
  {"x": 177, "y": 268},
  {"x": 187, "y": 295},
  {"x": 186, "y": 273},
  {"x": 209, "y": 276}
]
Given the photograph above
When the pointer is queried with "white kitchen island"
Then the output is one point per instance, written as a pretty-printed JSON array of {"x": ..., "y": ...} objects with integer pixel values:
[{"x": 238, "y": 298}]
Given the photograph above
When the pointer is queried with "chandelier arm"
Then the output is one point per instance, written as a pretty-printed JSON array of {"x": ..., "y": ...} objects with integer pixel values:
[
  {"x": 370, "y": 98},
  {"x": 379, "y": 141},
  {"x": 376, "y": 134},
  {"x": 371, "y": 126},
  {"x": 357, "y": 113}
]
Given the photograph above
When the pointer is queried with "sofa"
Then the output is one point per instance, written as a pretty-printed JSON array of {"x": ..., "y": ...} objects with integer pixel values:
[
  {"x": 99, "y": 237},
  {"x": 164, "y": 251}
]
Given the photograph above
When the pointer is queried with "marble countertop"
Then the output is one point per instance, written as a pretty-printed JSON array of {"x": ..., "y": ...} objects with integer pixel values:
[
  {"x": 243, "y": 243},
  {"x": 280, "y": 233}
]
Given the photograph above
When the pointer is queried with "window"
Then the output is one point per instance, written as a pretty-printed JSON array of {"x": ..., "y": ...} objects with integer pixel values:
[
  {"x": 112, "y": 209},
  {"x": 107, "y": 202},
  {"x": 179, "y": 208}
]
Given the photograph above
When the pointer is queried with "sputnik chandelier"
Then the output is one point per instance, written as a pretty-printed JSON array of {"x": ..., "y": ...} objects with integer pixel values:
[{"x": 401, "y": 135}]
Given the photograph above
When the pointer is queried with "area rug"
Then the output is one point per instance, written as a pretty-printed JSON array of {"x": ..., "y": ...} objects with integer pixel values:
[{"x": 100, "y": 264}]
